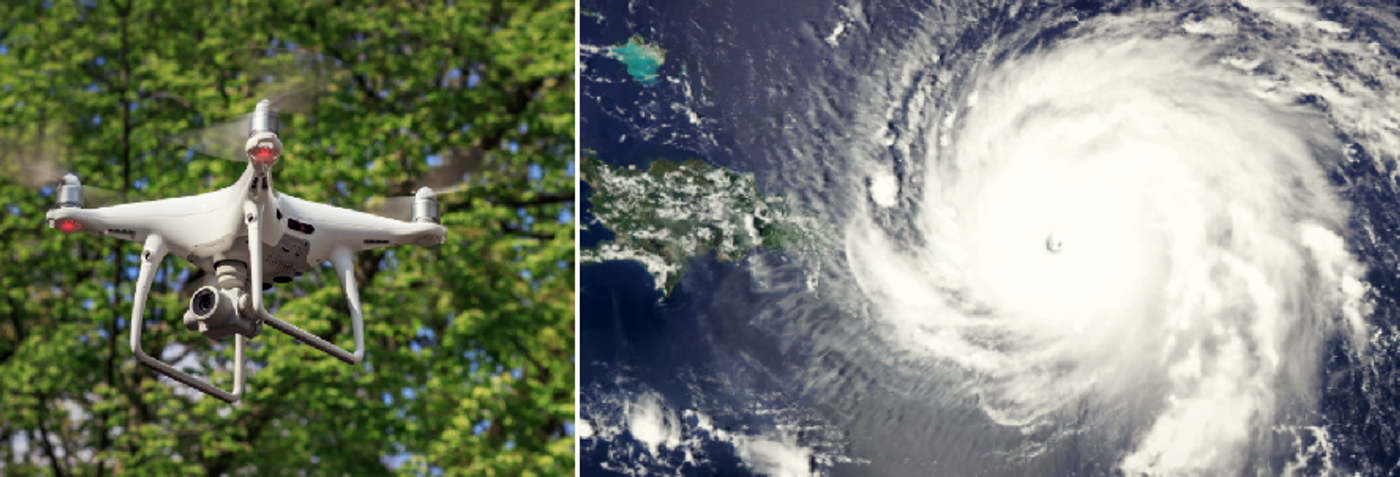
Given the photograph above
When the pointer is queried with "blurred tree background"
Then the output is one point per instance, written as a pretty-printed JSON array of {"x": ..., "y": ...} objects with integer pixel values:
[{"x": 470, "y": 344}]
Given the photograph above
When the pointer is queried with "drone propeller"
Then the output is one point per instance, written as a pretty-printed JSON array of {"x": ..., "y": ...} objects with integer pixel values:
[
  {"x": 457, "y": 165},
  {"x": 401, "y": 207},
  {"x": 446, "y": 178},
  {"x": 33, "y": 155},
  {"x": 292, "y": 80}
]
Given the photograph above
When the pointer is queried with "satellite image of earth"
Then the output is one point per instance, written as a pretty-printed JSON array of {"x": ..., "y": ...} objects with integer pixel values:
[{"x": 990, "y": 238}]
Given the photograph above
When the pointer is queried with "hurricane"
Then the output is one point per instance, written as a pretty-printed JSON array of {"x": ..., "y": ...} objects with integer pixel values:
[{"x": 1120, "y": 227}]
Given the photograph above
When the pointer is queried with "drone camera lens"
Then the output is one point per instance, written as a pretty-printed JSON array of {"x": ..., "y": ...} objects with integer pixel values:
[{"x": 204, "y": 301}]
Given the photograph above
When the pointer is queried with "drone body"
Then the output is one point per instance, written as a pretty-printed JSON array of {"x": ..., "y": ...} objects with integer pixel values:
[{"x": 215, "y": 231}]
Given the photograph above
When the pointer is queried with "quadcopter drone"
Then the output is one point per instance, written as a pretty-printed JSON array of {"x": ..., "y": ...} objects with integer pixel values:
[{"x": 241, "y": 235}]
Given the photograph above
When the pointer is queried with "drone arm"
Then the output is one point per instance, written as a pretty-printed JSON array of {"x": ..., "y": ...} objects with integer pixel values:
[
  {"x": 344, "y": 267},
  {"x": 150, "y": 258}
]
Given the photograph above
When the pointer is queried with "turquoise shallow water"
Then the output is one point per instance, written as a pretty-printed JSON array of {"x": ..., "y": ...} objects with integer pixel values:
[{"x": 642, "y": 60}]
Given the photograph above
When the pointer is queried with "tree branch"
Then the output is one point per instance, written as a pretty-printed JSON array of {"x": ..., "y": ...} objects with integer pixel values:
[
  {"x": 542, "y": 199},
  {"x": 526, "y": 353},
  {"x": 507, "y": 229},
  {"x": 167, "y": 95},
  {"x": 44, "y": 438},
  {"x": 19, "y": 329}
]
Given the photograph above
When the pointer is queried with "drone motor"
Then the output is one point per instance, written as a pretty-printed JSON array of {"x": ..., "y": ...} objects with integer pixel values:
[
  {"x": 70, "y": 192},
  {"x": 264, "y": 119},
  {"x": 425, "y": 207}
]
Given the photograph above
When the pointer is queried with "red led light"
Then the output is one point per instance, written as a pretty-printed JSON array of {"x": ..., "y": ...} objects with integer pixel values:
[
  {"x": 68, "y": 226},
  {"x": 263, "y": 154}
]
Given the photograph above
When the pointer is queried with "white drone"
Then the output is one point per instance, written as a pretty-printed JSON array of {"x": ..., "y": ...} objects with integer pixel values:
[{"x": 240, "y": 235}]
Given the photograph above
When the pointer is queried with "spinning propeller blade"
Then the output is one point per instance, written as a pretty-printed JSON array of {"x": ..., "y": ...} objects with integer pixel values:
[
  {"x": 397, "y": 208},
  {"x": 457, "y": 164},
  {"x": 401, "y": 207},
  {"x": 290, "y": 79},
  {"x": 444, "y": 179},
  {"x": 35, "y": 155}
]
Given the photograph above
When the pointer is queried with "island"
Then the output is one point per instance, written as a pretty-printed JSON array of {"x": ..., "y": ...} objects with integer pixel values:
[
  {"x": 670, "y": 212},
  {"x": 642, "y": 59}
]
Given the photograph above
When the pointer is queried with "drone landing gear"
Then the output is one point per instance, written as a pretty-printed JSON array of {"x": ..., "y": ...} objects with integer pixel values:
[
  {"x": 340, "y": 258},
  {"x": 150, "y": 259},
  {"x": 344, "y": 268}
]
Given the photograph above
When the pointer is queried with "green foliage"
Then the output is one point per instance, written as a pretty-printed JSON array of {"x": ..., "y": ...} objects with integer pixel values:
[{"x": 471, "y": 341}]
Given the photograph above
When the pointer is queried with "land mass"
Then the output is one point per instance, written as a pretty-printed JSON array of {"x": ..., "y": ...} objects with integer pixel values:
[
  {"x": 642, "y": 59},
  {"x": 671, "y": 212}
]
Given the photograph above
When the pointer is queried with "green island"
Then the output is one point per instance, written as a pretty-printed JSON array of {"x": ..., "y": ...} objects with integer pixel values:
[
  {"x": 671, "y": 212},
  {"x": 642, "y": 59}
]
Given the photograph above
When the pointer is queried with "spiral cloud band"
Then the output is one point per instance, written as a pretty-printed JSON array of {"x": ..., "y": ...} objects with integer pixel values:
[{"x": 1137, "y": 223}]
